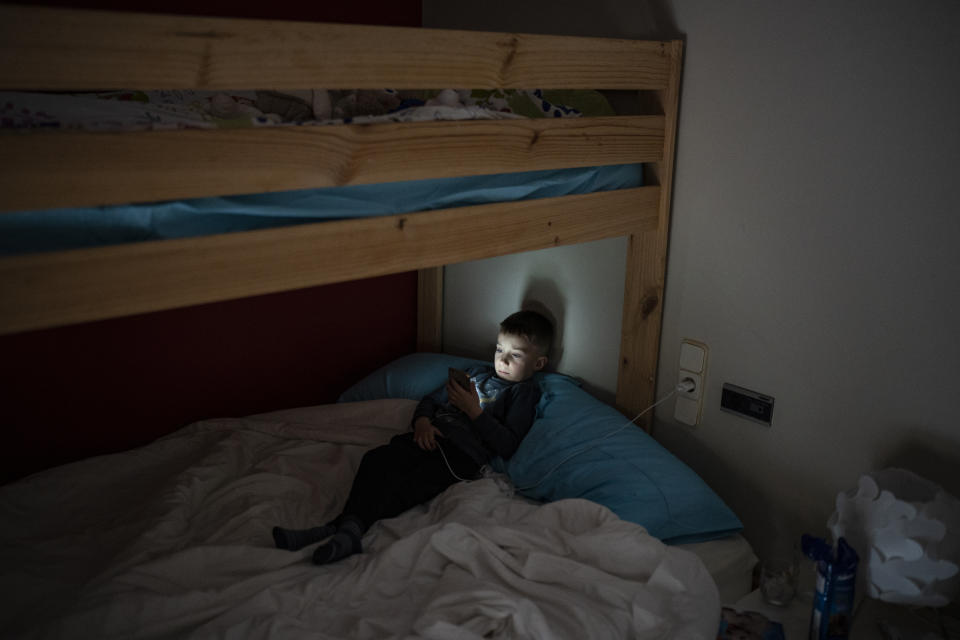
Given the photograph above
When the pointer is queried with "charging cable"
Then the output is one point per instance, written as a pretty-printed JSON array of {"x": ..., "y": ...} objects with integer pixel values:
[
  {"x": 447, "y": 462},
  {"x": 685, "y": 386}
]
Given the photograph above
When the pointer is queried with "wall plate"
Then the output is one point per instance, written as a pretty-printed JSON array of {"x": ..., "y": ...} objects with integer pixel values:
[
  {"x": 747, "y": 404},
  {"x": 693, "y": 364}
]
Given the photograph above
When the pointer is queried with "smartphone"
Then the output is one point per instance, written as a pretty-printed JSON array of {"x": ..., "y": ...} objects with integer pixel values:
[{"x": 461, "y": 378}]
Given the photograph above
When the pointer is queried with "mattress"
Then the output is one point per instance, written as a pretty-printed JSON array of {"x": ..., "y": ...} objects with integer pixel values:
[
  {"x": 730, "y": 561},
  {"x": 77, "y": 228},
  {"x": 173, "y": 540}
]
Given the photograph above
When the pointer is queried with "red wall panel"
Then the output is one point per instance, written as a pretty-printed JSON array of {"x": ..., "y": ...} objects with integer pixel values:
[{"x": 76, "y": 391}]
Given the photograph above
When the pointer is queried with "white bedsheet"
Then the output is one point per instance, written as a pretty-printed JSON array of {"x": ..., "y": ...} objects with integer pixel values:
[{"x": 173, "y": 540}]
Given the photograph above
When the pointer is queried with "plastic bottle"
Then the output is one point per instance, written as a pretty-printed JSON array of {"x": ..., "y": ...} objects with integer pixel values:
[{"x": 836, "y": 579}]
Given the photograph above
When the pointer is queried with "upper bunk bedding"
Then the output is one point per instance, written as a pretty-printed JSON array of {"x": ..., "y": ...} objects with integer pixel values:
[{"x": 163, "y": 110}]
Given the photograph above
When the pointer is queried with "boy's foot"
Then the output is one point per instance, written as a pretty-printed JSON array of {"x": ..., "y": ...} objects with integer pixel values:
[
  {"x": 345, "y": 542},
  {"x": 295, "y": 539}
]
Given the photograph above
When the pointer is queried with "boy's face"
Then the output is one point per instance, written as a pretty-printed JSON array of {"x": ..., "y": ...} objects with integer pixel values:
[{"x": 516, "y": 358}]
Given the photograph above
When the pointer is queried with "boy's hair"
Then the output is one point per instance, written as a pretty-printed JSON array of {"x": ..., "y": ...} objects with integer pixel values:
[{"x": 532, "y": 326}]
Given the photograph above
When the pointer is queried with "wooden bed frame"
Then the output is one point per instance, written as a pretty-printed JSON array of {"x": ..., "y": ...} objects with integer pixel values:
[{"x": 61, "y": 49}]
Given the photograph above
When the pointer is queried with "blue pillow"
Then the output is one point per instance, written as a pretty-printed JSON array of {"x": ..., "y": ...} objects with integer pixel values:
[
  {"x": 412, "y": 376},
  {"x": 579, "y": 447}
]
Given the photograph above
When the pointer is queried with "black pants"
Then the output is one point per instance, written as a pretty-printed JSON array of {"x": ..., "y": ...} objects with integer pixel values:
[{"x": 397, "y": 476}]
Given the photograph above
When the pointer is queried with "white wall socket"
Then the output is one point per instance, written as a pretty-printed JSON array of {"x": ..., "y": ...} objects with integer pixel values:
[
  {"x": 697, "y": 381},
  {"x": 693, "y": 366}
]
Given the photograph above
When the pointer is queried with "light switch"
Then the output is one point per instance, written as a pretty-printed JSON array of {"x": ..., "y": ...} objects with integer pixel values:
[{"x": 693, "y": 356}]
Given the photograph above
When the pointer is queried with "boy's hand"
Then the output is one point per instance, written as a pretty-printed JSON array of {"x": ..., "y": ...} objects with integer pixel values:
[
  {"x": 425, "y": 434},
  {"x": 464, "y": 399}
]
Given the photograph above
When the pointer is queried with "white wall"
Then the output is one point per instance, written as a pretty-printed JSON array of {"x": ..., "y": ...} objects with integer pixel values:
[
  {"x": 815, "y": 237},
  {"x": 584, "y": 297},
  {"x": 814, "y": 247}
]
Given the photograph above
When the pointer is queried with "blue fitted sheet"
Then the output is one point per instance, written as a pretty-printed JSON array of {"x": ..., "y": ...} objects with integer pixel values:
[{"x": 59, "y": 229}]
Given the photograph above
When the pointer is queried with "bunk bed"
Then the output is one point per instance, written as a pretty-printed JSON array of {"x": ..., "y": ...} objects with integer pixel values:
[{"x": 172, "y": 539}]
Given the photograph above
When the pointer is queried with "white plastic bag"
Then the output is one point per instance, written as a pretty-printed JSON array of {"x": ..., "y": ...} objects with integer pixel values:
[{"x": 907, "y": 532}]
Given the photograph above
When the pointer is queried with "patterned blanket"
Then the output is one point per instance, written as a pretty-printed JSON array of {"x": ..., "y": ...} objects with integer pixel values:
[{"x": 195, "y": 109}]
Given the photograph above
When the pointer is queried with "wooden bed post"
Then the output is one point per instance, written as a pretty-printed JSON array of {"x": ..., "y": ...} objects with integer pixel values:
[
  {"x": 430, "y": 309},
  {"x": 646, "y": 269}
]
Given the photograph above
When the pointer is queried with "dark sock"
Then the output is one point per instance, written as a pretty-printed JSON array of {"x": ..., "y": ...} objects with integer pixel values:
[
  {"x": 345, "y": 542},
  {"x": 294, "y": 539}
]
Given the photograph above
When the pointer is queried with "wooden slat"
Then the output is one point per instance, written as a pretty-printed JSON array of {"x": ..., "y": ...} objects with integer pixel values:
[
  {"x": 59, "y": 49},
  {"x": 89, "y": 284},
  {"x": 646, "y": 275},
  {"x": 430, "y": 309},
  {"x": 640, "y": 339},
  {"x": 60, "y": 169}
]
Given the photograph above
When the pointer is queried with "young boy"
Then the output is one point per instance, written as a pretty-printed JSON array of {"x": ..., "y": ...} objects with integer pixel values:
[{"x": 456, "y": 431}]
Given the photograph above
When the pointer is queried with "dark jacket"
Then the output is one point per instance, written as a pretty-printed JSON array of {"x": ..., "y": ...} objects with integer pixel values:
[{"x": 508, "y": 412}]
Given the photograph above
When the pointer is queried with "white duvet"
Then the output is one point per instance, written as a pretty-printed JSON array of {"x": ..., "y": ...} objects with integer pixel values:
[{"x": 173, "y": 540}]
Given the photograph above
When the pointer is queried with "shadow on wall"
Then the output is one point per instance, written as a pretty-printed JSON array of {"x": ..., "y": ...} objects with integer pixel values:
[
  {"x": 544, "y": 297},
  {"x": 932, "y": 457},
  {"x": 540, "y": 295},
  {"x": 648, "y": 20},
  {"x": 770, "y": 533}
]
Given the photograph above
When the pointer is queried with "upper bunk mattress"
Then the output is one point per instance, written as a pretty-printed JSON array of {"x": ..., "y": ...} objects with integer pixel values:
[{"x": 76, "y": 228}]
